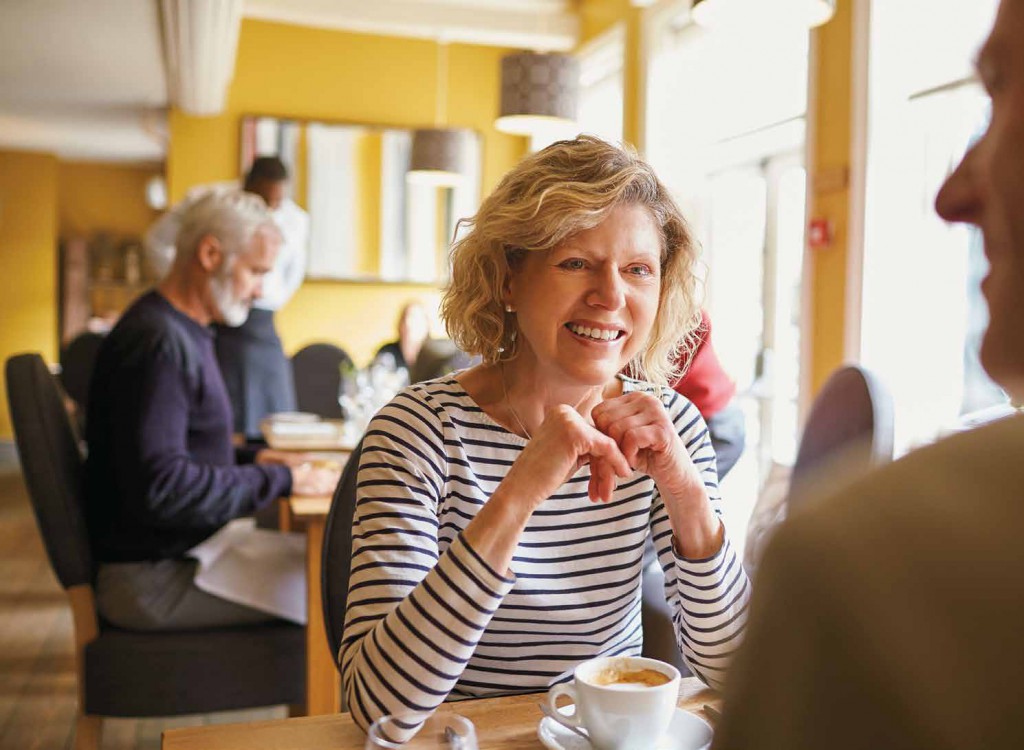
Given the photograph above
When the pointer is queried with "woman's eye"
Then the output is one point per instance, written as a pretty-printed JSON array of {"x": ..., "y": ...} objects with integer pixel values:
[
  {"x": 573, "y": 264},
  {"x": 640, "y": 269}
]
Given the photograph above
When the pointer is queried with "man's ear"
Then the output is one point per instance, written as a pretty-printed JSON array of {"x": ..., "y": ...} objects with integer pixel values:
[{"x": 209, "y": 253}]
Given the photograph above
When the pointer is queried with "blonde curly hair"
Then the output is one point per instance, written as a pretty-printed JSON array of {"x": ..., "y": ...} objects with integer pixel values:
[{"x": 549, "y": 197}]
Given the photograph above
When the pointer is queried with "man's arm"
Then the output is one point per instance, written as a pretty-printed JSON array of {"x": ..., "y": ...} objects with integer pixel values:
[
  {"x": 153, "y": 463},
  {"x": 796, "y": 682},
  {"x": 293, "y": 267}
]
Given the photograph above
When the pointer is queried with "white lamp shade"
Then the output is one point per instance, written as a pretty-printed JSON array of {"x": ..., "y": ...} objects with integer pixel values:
[
  {"x": 537, "y": 90},
  {"x": 439, "y": 156},
  {"x": 748, "y": 13}
]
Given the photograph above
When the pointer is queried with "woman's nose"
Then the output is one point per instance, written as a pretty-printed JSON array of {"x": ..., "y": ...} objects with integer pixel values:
[
  {"x": 609, "y": 289},
  {"x": 959, "y": 197}
]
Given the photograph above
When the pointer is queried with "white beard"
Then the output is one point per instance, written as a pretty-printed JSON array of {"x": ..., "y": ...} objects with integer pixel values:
[{"x": 233, "y": 311}]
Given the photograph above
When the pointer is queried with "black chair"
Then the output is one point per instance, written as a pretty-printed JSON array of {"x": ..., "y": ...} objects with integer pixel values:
[
  {"x": 125, "y": 673},
  {"x": 439, "y": 357},
  {"x": 317, "y": 369},
  {"x": 337, "y": 553},
  {"x": 77, "y": 361},
  {"x": 848, "y": 431}
]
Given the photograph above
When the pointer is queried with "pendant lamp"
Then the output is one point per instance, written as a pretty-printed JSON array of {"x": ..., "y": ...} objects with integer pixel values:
[
  {"x": 537, "y": 90},
  {"x": 439, "y": 154},
  {"x": 737, "y": 13}
]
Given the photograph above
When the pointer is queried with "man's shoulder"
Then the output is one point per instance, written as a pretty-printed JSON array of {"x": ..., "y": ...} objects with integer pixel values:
[
  {"x": 149, "y": 329},
  {"x": 944, "y": 491}
]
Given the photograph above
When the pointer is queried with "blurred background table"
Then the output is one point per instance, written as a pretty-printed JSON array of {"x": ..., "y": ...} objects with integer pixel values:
[{"x": 317, "y": 435}]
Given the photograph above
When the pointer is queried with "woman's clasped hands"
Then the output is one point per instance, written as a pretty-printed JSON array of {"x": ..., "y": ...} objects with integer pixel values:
[{"x": 621, "y": 435}]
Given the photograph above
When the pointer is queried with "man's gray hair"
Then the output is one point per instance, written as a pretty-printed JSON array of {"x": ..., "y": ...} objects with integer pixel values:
[{"x": 232, "y": 216}]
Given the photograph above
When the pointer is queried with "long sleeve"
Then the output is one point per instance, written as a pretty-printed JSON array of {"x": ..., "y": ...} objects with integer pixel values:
[
  {"x": 174, "y": 490},
  {"x": 290, "y": 267},
  {"x": 419, "y": 599},
  {"x": 293, "y": 269},
  {"x": 708, "y": 598}
]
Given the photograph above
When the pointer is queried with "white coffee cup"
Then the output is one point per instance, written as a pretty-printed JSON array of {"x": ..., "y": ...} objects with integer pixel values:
[{"x": 619, "y": 715}]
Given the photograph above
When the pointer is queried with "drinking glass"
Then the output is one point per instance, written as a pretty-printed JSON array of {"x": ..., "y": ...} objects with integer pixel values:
[{"x": 439, "y": 731}]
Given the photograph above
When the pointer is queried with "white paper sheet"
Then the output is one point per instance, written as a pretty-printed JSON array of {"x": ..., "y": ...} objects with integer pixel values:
[{"x": 265, "y": 570}]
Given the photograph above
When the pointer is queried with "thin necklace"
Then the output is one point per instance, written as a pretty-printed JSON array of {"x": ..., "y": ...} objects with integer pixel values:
[{"x": 508, "y": 401}]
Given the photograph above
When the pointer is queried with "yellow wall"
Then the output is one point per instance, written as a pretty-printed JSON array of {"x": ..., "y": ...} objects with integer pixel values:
[
  {"x": 829, "y": 190},
  {"x": 94, "y": 197},
  {"x": 28, "y": 260},
  {"x": 291, "y": 71}
]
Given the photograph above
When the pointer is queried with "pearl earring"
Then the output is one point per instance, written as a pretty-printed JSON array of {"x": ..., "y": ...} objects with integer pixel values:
[{"x": 508, "y": 308}]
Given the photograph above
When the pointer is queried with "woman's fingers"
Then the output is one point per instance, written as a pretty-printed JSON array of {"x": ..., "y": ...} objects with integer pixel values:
[{"x": 637, "y": 439}]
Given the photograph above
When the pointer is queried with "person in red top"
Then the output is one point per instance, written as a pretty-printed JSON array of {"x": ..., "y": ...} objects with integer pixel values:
[{"x": 706, "y": 384}]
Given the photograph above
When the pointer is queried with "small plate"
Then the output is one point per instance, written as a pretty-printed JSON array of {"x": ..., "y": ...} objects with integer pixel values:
[{"x": 686, "y": 732}]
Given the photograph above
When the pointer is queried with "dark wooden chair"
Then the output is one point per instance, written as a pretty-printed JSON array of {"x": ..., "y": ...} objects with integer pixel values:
[
  {"x": 336, "y": 561},
  {"x": 317, "y": 370},
  {"x": 124, "y": 673}
]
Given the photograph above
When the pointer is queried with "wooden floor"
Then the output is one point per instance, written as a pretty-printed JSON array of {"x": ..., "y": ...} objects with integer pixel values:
[{"x": 37, "y": 679}]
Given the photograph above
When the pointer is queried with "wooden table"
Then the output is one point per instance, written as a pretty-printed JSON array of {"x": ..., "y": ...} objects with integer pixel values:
[
  {"x": 508, "y": 723},
  {"x": 323, "y": 691}
]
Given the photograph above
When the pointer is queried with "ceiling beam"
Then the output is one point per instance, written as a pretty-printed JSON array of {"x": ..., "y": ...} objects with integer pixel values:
[{"x": 543, "y": 25}]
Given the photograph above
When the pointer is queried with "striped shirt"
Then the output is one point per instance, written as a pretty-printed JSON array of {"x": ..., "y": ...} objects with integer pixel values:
[{"x": 427, "y": 617}]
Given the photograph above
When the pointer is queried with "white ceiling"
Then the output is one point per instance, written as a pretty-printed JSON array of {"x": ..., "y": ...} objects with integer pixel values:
[
  {"x": 85, "y": 79},
  {"x": 549, "y": 25}
]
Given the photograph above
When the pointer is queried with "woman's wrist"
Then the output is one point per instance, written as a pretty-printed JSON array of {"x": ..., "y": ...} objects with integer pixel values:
[
  {"x": 699, "y": 537},
  {"x": 697, "y": 530},
  {"x": 495, "y": 531}
]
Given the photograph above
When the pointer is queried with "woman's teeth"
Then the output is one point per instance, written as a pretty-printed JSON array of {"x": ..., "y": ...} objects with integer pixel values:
[{"x": 597, "y": 334}]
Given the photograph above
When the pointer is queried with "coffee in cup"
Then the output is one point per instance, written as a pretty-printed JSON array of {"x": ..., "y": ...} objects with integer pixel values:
[{"x": 624, "y": 702}]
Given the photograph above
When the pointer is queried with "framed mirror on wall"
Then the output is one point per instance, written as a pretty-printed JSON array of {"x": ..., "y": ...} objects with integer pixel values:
[{"x": 368, "y": 222}]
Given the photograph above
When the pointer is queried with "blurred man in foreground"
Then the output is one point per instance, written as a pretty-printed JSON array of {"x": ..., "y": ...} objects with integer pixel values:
[
  {"x": 161, "y": 475},
  {"x": 891, "y": 615}
]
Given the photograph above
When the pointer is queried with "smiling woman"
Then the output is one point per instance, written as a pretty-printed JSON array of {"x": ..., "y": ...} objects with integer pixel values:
[{"x": 502, "y": 512}]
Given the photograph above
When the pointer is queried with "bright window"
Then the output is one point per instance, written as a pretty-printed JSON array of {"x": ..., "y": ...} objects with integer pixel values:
[{"x": 922, "y": 312}]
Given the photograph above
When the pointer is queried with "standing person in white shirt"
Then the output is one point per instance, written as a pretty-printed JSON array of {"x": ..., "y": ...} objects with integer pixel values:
[{"x": 256, "y": 371}]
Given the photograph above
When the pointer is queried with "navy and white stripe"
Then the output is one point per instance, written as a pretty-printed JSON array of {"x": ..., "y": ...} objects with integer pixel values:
[{"x": 426, "y": 616}]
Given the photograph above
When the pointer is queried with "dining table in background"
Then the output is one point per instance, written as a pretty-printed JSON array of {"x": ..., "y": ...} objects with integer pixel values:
[
  {"x": 505, "y": 723},
  {"x": 323, "y": 691}
]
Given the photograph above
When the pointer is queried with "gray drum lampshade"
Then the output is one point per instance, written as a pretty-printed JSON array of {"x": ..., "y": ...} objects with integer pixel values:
[
  {"x": 439, "y": 156},
  {"x": 721, "y": 13},
  {"x": 537, "y": 89}
]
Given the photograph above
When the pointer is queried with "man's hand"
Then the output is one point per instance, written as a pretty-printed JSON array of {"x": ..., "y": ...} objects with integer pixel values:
[
  {"x": 310, "y": 479},
  {"x": 283, "y": 458}
]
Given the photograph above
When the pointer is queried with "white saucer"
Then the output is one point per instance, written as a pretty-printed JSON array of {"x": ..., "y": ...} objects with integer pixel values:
[{"x": 686, "y": 732}]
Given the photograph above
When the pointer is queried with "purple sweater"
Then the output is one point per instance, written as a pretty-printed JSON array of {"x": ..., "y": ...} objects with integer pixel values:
[{"x": 161, "y": 473}]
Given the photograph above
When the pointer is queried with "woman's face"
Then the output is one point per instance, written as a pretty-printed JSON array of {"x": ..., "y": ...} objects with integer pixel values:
[{"x": 587, "y": 306}]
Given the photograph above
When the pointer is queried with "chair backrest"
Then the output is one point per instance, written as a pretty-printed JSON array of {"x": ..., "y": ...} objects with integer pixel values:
[
  {"x": 439, "y": 357},
  {"x": 317, "y": 371},
  {"x": 850, "y": 427},
  {"x": 77, "y": 361},
  {"x": 51, "y": 463},
  {"x": 336, "y": 557}
]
